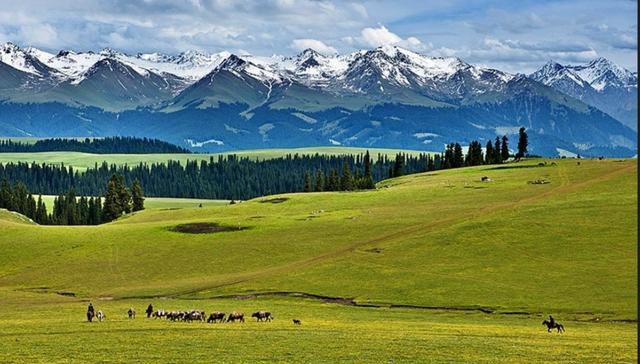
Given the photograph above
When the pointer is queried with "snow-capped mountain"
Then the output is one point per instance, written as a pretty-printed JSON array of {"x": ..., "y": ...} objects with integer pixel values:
[
  {"x": 385, "y": 97},
  {"x": 600, "y": 83}
]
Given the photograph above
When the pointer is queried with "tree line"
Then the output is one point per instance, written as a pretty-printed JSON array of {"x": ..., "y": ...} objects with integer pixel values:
[
  {"x": 107, "y": 145},
  {"x": 232, "y": 177},
  {"x": 225, "y": 177},
  {"x": 69, "y": 209}
]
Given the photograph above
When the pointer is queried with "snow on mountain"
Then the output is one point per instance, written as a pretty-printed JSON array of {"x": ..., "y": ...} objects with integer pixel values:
[
  {"x": 19, "y": 59},
  {"x": 597, "y": 74},
  {"x": 599, "y": 83},
  {"x": 553, "y": 72},
  {"x": 601, "y": 73}
]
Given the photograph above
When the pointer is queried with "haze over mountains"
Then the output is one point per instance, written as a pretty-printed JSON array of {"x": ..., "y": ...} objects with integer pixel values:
[{"x": 385, "y": 97}]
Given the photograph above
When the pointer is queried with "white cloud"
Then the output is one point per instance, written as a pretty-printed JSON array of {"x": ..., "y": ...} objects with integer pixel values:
[
  {"x": 319, "y": 46},
  {"x": 376, "y": 37},
  {"x": 381, "y": 36}
]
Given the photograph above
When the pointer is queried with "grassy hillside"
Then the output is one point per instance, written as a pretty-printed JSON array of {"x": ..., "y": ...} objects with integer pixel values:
[
  {"x": 85, "y": 160},
  {"x": 451, "y": 269}
]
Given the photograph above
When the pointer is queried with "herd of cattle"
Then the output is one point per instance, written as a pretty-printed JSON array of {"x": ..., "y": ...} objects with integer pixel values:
[{"x": 195, "y": 315}]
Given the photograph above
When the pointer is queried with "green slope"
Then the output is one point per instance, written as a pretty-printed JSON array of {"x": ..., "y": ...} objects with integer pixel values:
[
  {"x": 441, "y": 239},
  {"x": 479, "y": 263}
]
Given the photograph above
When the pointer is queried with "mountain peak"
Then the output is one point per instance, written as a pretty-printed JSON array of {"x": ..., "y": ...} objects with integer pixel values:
[
  {"x": 10, "y": 47},
  {"x": 231, "y": 62},
  {"x": 309, "y": 52}
]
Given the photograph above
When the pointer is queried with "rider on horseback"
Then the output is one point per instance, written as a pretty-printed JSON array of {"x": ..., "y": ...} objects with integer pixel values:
[
  {"x": 552, "y": 321},
  {"x": 149, "y": 310},
  {"x": 90, "y": 308}
]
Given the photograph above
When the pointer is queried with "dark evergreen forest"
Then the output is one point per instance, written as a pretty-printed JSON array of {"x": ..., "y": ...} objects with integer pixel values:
[{"x": 108, "y": 145}]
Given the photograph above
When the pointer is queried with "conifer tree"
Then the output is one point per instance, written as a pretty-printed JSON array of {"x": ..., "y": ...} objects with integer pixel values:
[
  {"x": 398, "y": 165},
  {"x": 523, "y": 142},
  {"x": 504, "y": 152},
  {"x": 137, "y": 196},
  {"x": 307, "y": 182},
  {"x": 488, "y": 156},
  {"x": 319, "y": 185},
  {"x": 346, "y": 181},
  {"x": 112, "y": 208},
  {"x": 458, "y": 157},
  {"x": 497, "y": 150}
]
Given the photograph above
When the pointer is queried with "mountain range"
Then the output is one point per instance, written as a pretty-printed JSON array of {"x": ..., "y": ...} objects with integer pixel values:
[{"x": 384, "y": 97}]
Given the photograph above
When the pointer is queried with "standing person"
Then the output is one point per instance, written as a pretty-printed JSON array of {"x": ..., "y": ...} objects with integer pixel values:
[
  {"x": 149, "y": 310},
  {"x": 90, "y": 312}
]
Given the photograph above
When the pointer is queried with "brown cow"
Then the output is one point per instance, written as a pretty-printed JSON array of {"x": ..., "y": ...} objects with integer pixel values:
[
  {"x": 262, "y": 315},
  {"x": 215, "y": 317},
  {"x": 233, "y": 316}
]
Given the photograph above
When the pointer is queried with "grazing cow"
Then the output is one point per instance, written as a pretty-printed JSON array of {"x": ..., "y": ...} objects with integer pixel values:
[
  {"x": 215, "y": 317},
  {"x": 235, "y": 316},
  {"x": 297, "y": 322},
  {"x": 262, "y": 315},
  {"x": 159, "y": 314},
  {"x": 101, "y": 316},
  {"x": 131, "y": 313}
]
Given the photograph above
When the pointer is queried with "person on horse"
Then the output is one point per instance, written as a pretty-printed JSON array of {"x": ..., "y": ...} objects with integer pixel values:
[
  {"x": 552, "y": 321},
  {"x": 90, "y": 308},
  {"x": 149, "y": 310}
]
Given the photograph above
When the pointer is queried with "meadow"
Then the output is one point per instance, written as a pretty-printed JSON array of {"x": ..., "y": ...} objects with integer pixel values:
[
  {"x": 86, "y": 160},
  {"x": 433, "y": 267}
]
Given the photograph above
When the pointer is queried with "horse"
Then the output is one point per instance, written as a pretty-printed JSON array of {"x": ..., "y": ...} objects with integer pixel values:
[
  {"x": 550, "y": 326},
  {"x": 233, "y": 316},
  {"x": 101, "y": 316},
  {"x": 262, "y": 315},
  {"x": 297, "y": 322},
  {"x": 90, "y": 315},
  {"x": 215, "y": 317},
  {"x": 131, "y": 313}
]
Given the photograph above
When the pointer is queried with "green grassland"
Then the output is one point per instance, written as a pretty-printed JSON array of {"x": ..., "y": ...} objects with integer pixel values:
[
  {"x": 433, "y": 267},
  {"x": 87, "y": 160}
]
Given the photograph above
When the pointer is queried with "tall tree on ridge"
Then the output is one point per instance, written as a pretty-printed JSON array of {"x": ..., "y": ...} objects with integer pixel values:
[
  {"x": 504, "y": 152},
  {"x": 523, "y": 142}
]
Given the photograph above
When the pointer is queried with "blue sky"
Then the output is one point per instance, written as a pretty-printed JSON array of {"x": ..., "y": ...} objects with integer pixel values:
[{"x": 516, "y": 36}]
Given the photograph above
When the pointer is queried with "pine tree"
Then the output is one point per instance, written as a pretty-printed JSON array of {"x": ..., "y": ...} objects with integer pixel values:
[
  {"x": 6, "y": 195},
  {"x": 111, "y": 209},
  {"x": 307, "y": 182},
  {"x": 346, "y": 181},
  {"x": 124, "y": 196},
  {"x": 488, "y": 156},
  {"x": 523, "y": 142},
  {"x": 504, "y": 152},
  {"x": 367, "y": 182},
  {"x": 137, "y": 196},
  {"x": 319, "y": 186},
  {"x": 398, "y": 165},
  {"x": 458, "y": 157},
  {"x": 41, "y": 212},
  {"x": 497, "y": 157}
]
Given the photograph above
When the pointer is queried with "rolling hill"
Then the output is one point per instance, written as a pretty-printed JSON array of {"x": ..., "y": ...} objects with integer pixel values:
[{"x": 447, "y": 270}]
